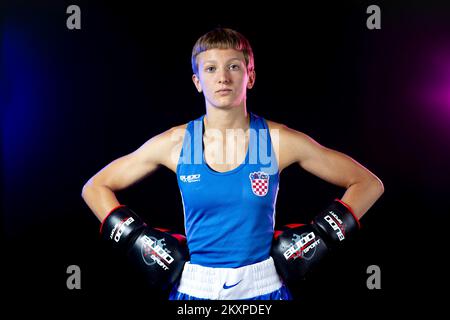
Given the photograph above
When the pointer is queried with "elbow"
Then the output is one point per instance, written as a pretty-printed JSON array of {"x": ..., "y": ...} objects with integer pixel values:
[
  {"x": 85, "y": 189},
  {"x": 92, "y": 188},
  {"x": 378, "y": 186},
  {"x": 381, "y": 187}
]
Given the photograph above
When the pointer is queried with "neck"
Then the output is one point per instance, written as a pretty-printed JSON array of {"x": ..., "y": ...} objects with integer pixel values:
[{"x": 222, "y": 119}]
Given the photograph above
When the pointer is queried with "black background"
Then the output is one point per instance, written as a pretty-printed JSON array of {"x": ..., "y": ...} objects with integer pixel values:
[{"x": 74, "y": 100}]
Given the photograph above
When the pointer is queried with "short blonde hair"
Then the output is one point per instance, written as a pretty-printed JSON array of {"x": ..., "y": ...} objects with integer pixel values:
[{"x": 223, "y": 38}]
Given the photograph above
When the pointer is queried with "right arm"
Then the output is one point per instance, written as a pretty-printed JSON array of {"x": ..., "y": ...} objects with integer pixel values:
[{"x": 99, "y": 191}]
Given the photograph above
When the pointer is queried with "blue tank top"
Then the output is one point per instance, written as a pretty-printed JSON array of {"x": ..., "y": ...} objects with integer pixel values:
[{"x": 229, "y": 216}]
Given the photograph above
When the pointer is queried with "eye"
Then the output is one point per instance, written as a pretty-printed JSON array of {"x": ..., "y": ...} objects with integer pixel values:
[
  {"x": 234, "y": 67},
  {"x": 210, "y": 69}
]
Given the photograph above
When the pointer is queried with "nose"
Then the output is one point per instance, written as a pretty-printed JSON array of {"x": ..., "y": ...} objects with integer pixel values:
[{"x": 224, "y": 77}]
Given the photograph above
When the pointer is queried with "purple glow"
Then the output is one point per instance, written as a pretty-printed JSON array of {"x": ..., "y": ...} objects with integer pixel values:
[{"x": 435, "y": 83}]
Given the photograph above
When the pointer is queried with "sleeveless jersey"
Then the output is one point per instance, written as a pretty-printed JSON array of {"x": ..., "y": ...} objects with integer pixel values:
[{"x": 229, "y": 216}]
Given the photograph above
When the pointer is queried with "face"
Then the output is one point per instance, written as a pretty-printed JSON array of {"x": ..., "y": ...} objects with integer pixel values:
[{"x": 223, "y": 77}]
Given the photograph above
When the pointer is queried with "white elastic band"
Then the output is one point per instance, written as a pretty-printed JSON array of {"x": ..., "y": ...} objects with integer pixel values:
[{"x": 230, "y": 283}]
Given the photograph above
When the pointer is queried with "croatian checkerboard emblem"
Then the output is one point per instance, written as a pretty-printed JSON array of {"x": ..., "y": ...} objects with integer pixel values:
[{"x": 260, "y": 183}]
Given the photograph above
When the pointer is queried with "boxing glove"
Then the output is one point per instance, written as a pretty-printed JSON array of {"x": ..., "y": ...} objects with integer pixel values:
[
  {"x": 337, "y": 223},
  {"x": 297, "y": 249},
  {"x": 157, "y": 254}
]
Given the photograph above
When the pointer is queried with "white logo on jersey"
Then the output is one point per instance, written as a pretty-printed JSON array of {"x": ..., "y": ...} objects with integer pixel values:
[{"x": 190, "y": 178}]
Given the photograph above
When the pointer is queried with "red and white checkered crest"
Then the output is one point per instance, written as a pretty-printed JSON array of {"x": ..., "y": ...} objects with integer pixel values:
[{"x": 260, "y": 183}]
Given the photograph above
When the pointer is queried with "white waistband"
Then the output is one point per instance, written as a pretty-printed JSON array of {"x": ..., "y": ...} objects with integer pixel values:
[{"x": 229, "y": 283}]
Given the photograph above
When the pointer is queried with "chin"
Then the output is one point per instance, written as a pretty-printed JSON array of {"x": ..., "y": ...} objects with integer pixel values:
[{"x": 222, "y": 105}]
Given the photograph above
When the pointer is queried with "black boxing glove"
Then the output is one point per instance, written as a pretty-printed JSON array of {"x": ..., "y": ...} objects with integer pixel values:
[
  {"x": 121, "y": 226},
  {"x": 337, "y": 223},
  {"x": 296, "y": 250},
  {"x": 158, "y": 255}
]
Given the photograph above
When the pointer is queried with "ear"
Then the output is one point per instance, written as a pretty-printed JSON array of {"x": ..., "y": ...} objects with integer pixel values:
[
  {"x": 196, "y": 81},
  {"x": 251, "y": 79}
]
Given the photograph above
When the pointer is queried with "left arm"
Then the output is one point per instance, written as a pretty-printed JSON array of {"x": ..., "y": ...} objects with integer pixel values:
[{"x": 363, "y": 188}]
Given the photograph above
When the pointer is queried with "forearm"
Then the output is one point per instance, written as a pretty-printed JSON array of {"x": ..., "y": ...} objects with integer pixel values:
[
  {"x": 362, "y": 195},
  {"x": 100, "y": 199}
]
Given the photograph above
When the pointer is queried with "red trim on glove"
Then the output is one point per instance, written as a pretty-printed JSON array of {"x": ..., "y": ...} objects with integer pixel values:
[
  {"x": 350, "y": 210},
  {"x": 114, "y": 209},
  {"x": 181, "y": 239},
  {"x": 276, "y": 234},
  {"x": 294, "y": 225}
]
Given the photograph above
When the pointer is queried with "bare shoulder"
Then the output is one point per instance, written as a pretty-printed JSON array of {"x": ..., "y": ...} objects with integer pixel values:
[
  {"x": 288, "y": 135},
  {"x": 288, "y": 143},
  {"x": 284, "y": 129},
  {"x": 165, "y": 148},
  {"x": 276, "y": 131},
  {"x": 179, "y": 127},
  {"x": 172, "y": 135},
  {"x": 174, "y": 138},
  {"x": 274, "y": 125}
]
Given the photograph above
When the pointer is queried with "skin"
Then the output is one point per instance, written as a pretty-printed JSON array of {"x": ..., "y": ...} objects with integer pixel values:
[{"x": 221, "y": 69}]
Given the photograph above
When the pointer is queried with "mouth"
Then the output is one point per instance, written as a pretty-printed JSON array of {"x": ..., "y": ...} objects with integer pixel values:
[{"x": 223, "y": 91}]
